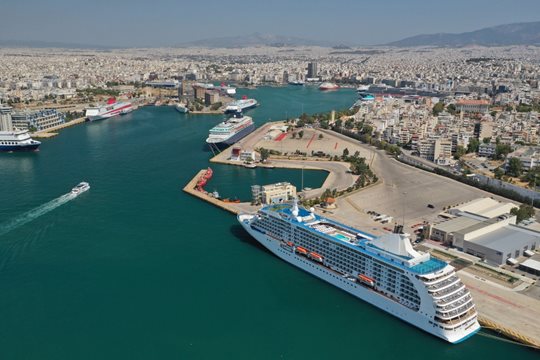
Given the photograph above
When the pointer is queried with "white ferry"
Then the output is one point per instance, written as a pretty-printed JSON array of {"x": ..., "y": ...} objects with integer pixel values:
[
  {"x": 230, "y": 131},
  {"x": 112, "y": 108},
  {"x": 80, "y": 188},
  {"x": 384, "y": 271},
  {"x": 17, "y": 140},
  {"x": 241, "y": 105}
]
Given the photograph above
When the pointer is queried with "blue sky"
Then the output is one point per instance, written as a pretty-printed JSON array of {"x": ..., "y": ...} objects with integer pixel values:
[{"x": 168, "y": 22}]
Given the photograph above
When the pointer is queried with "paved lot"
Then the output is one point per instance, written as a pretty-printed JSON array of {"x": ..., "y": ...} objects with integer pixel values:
[
  {"x": 329, "y": 144},
  {"x": 511, "y": 309},
  {"x": 405, "y": 192}
]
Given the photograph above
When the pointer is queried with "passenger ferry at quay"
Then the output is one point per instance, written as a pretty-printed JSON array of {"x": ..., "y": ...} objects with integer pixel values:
[
  {"x": 230, "y": 131},
  {"x": 384, "y": 271},
  {"x": 112, "y": 108}
]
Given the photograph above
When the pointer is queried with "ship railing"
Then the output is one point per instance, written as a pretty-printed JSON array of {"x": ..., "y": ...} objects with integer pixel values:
[
  {"x": 459, "y": 320},
  {"x": 430, "y": 282},
  {"x": 447, "y": 300},
  {"x": 442, "y": 284},
  {"x": 455, "y": 304},
  {"x": 448, "y": 290},
  {"x": 458, "y": 311}
]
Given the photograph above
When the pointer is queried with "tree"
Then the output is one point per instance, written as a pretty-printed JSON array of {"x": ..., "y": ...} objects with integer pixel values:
[
  {"x": 345, "y": 153},
  {"x": 524, "y": 212},
  {"x": 514, "y": 167},
  {"x": 265, "y": 153},
  {"x": 451, "y": 109},
  {"x": 301, "y": 134},
  {"x": 438, "y": 108},
  {"x": 486, "y": 140},
  {"x": 320, "y": 136},
  {"x": 501, "y": 150},
  {"x": 367, "y": 129},
  {"x": 473, "y": 145},
  {"x": 460, "y": 151},
  {"x": 533, "y": 176},
  {"x": 498, "y": 172}
]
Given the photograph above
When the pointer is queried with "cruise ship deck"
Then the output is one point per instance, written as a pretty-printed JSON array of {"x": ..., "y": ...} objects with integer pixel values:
[{"x": 358, "y": 240}]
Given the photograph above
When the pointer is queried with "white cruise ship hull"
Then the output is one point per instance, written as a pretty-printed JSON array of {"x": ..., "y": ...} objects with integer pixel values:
[
  {"x": 360, "y": 291},
  {"x": 105, "y": 112}
]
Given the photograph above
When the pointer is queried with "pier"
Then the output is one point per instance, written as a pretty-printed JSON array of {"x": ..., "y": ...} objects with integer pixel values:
[
  {"x": 50, "y": 132},
  {"x": 504, "y": 311},
  {"x": 234, "y": 208}
]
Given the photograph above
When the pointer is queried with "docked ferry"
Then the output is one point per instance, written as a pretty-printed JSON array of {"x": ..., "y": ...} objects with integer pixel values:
[
  {"x": 241, "y": 105},
  {"x": 181, "y": 108},
  {"x": 230, "y": 131},
  {"x": 112, "y": 108},
  {"x": 384, "y": 271},
  {"x": 17, "y": 140},
  {"x": 328, "y": 86}
]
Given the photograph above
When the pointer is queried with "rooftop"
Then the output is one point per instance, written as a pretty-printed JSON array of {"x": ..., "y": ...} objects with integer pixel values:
[
  {"x": 508, "y": 238},
  {"x": 531, "y": 264},
  {"x": 472, "y": 102},
  {"x": 486, "y": 207}
]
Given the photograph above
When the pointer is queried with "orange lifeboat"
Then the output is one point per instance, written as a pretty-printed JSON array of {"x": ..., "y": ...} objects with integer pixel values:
[
  {"x": 301, "y": 250},
  {"x": 366, "y": 280},
  {"x": 290, "y": 243},
  {"x": 315, "y": 256}
]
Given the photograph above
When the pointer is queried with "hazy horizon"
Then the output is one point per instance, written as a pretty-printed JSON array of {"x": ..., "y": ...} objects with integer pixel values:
[{"x": 168, "y": 23}]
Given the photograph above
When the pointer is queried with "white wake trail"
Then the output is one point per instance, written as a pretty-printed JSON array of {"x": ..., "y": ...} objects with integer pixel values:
[{"x": 35, "y": 213}]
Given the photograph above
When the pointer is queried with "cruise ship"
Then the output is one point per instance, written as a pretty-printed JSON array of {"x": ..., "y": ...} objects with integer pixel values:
[
  {"x": 11, "y": 138},
  {"x": 241, "y": 105},
  {"x": 112, "y": 108},
  {"x": 384, "y": 271},
  {"x": 230, "y": 131},
  {"x": 17, "y": 140}
]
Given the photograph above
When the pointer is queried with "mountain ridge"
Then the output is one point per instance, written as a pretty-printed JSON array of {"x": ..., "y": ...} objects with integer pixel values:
[{"x": 526, "y": 33}]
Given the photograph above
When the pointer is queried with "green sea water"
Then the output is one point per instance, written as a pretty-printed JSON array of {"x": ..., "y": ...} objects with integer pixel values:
[{"x": 137, "y": 269}]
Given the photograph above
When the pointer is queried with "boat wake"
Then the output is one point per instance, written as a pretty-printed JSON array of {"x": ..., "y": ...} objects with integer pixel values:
[{"x": 35, "y": 213}]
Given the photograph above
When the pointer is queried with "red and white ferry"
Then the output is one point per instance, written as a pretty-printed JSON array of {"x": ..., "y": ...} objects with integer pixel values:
[{"x": 112, "y": 108}]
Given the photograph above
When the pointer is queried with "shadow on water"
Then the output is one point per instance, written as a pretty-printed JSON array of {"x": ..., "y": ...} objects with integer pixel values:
[{"x": 238, "y": 232}]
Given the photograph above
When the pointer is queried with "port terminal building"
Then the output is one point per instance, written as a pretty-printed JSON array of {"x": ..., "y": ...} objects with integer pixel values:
[
  {"x": 484, "y": 228},
  {"x": 37, "y": 120},
  {"x": 273, "y": 194}
]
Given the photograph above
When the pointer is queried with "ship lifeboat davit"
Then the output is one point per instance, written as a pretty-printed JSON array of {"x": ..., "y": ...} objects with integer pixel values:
[
  {"x": 316, "y": 257},
  {"x": 366, "y": 280},
  {"x": 300, "y": 250}
]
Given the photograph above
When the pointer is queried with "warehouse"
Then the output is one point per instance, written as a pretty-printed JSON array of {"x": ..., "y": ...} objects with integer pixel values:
[{"x": 495, "y": 240}]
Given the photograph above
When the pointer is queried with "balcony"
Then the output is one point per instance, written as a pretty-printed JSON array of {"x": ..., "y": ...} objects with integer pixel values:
[
  {"x": 451, "y": 298},
  {"x": 448, "y": 290}
]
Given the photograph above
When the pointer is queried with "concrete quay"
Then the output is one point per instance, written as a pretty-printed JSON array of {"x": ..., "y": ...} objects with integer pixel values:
[
  {"x": 404, "y": 193},
  {"x": 234, "y": 208},
  {"x": 50, "y": 132}
]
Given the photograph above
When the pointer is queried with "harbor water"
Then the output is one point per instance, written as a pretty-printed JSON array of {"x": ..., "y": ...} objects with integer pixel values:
[{"x": 137, "y": 269}]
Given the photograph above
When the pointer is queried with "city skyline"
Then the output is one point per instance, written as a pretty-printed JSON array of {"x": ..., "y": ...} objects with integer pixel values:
[{"x": 171, "y": 24}]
